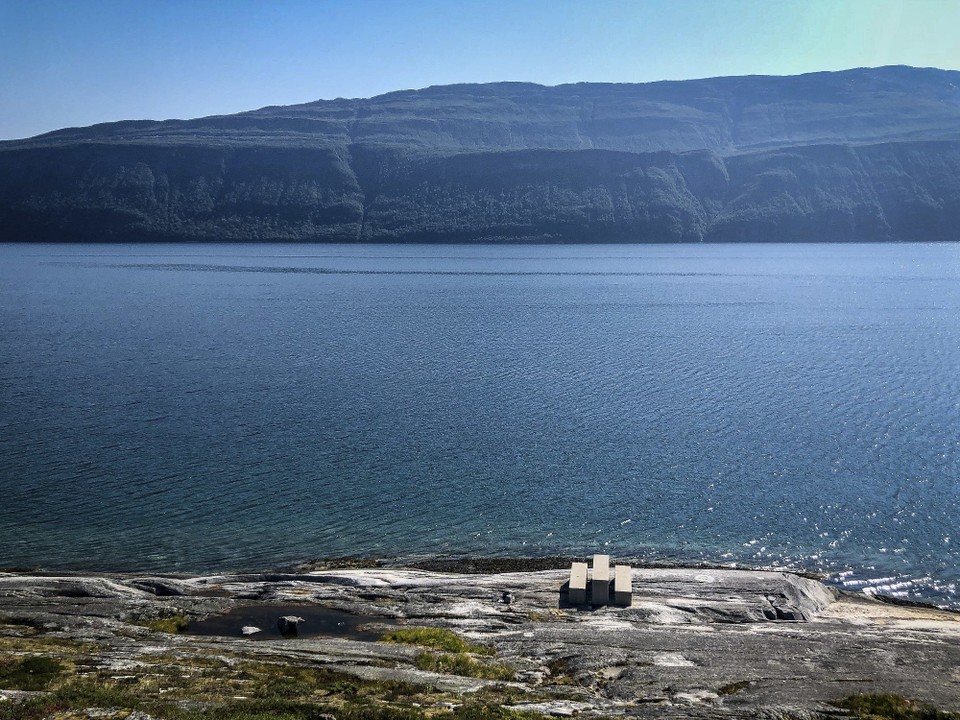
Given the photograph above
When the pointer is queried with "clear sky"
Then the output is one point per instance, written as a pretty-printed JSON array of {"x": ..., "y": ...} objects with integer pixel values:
[{"x": 77, "y": 62}]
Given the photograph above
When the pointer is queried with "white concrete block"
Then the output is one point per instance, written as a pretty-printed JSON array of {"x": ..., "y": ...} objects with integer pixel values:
[
  {"x": 622, "y": 586},
  {"x": 600, "y": 580},
  {"x": 578, "y": 584}
]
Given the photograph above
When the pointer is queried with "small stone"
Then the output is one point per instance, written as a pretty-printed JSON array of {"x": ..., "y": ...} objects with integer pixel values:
[{"x": 250, "y": 630}]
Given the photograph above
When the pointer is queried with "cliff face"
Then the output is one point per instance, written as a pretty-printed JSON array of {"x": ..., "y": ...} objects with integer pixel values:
[{"x": 851, "y": 156}]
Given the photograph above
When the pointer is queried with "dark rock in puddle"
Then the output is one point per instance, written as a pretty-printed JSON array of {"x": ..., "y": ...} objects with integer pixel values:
[
  {"x": 288, "y": 624},
  {"x": 302, "y": 621}
]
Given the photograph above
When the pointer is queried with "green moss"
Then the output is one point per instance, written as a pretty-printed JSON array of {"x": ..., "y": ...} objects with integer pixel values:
[
  {"x": 29, "y": 673},
  {"x": 892, "y": 707},
  {"x": 464, "y": 665},
  {"x": 435, "y": 638}
]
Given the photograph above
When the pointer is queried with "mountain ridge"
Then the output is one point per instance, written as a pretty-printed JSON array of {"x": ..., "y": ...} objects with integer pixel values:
[{"x": 871, "y": 153}]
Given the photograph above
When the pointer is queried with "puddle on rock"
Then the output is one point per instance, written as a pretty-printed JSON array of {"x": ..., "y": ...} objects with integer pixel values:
[{"x": 317, "y": 622}]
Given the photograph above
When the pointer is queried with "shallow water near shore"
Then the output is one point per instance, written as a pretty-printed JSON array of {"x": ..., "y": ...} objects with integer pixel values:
[{"x": 217, "y": 407}]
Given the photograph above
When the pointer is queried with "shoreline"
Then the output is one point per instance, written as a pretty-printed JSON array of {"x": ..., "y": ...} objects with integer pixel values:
[
  {"x": 718, "y": 643},
  {"x": 477, "y": 565}
]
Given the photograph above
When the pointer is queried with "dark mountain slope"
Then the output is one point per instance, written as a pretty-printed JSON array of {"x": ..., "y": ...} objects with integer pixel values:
[
  {"x": 894, "y": 191},
  {"x": 870, "y": 154},
  {"x": 154, "y": 192}
]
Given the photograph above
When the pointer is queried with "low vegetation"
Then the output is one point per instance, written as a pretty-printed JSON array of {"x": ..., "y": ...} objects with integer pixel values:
[
  {"x": 77, "y": 698},
  {"x": 285, "y": 682},
  {"x": 464, "y": 665},
  {"x": 436, "y": 639},
  {"x": 71, "y": 680},
  {"x": 457, "y": 656},
  {"x": 171, "y": 624},
  {"x": 892, "y": 707},
  {"x": 30, "y": 673},
  {"x": 559, "y": 672},
  {"x": 203, "y": 684}
]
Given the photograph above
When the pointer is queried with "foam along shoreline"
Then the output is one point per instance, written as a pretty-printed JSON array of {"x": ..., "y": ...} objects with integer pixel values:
[{"x": 733, "y": 643}]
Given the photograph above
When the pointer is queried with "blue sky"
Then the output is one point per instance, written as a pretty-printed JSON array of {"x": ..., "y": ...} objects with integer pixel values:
[{"x": 85, "y": 61}]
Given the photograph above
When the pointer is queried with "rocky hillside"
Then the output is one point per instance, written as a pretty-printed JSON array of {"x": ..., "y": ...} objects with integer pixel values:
[{"x": 859, "y": 155}]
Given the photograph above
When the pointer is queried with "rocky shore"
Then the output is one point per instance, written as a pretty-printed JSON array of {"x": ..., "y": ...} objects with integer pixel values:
[{"x": 705, "y": 643}]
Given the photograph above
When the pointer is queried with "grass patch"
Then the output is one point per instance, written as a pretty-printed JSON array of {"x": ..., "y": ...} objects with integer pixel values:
[
  {"x": 33, "y": 709},
  {"x": 892, "y": 707},
  {"x": 347, "y": 699},
  {"x": 492, "y": 712},
  {"x": 301, "y": 711},
  {"x": 733, "y": 688},
  {"x": 89, "y": 693},
  {"x": 172, "y": 624},
  {"x": 29, "y": 673},
  {"x": 284, "y": 682},
  {"x": 174, "y": 687},
  {"x": 297, "y": 683},
  {"x": 436, "y": 639},
  {"x": 69, "y": 701},
  {"x": 41, "y": 643},
  {"x": 285, "y": 710},
  {"x": 463, "y": 665}
]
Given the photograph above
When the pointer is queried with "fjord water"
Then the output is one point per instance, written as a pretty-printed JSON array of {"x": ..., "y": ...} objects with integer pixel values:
[{"x": 214, "y": 407}]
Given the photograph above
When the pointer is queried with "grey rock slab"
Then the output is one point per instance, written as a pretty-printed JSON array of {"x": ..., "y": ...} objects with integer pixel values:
[
  {"x": 790, "y": 643},
  {"x": 449, "y": 683},
  {"x": 332, "y": 650},
  {"x": 556, "y": 708}
]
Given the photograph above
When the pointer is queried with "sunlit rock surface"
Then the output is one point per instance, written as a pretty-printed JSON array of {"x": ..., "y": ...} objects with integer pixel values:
[{"x": 695, "y": 642}]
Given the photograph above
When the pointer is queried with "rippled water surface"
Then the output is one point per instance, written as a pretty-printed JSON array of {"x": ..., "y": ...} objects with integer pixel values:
[{"x": 208, "y": 407}]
